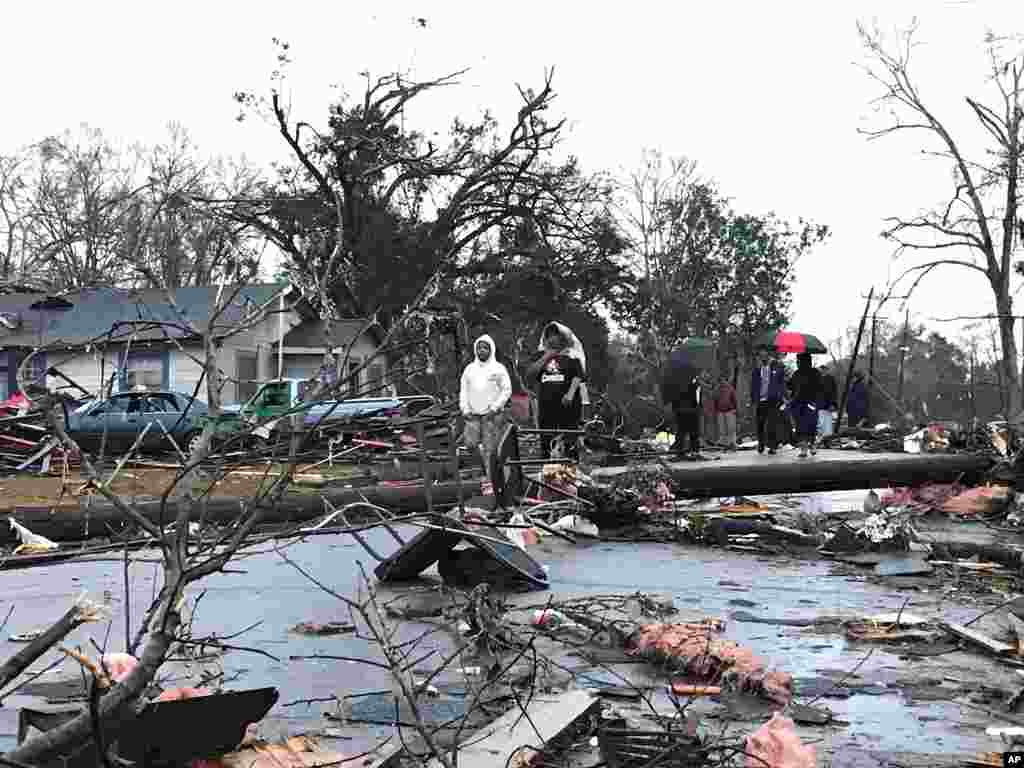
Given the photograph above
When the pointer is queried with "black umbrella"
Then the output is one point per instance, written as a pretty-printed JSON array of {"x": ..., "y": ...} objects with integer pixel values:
[{"x": 692, "y": 356}]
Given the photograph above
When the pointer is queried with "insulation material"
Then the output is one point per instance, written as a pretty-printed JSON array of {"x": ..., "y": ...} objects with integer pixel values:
[
  {"x": 981, "y": 501},
  {"x": 118, "y": 665},
  {"x": 181, "y": 694},
  {"x": 924, "y": 498},
  {"x": 294, "y": 752},
  {"x": 696, "y": 651},
  {"x": 776, "y": 744}
]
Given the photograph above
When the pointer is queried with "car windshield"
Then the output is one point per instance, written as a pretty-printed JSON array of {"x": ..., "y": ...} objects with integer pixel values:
[{"x": 273, "y": 396}]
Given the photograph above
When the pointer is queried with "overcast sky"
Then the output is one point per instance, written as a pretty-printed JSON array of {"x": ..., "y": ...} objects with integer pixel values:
[{"x": 767, "y": 97}]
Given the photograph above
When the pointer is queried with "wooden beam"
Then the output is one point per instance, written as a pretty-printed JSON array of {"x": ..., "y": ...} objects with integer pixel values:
[
  {"x": 977, "y": 638},
  {"x": 545, "y": 720}
]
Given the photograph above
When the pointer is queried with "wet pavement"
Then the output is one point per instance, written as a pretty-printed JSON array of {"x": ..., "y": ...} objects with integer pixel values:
[{"x": 891, "y": 712}]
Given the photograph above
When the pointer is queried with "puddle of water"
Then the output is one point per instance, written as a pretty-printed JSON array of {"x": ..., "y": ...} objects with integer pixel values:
[{"x": 275, "y": 593}]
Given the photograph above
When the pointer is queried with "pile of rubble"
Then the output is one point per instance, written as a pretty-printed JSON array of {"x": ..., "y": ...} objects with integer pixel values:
[{"x": 26, "y": 444}]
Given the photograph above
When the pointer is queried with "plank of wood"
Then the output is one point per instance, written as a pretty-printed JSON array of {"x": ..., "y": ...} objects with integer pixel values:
[
  {"x": 540, "y": 710},
  {"x": 971, "y": 636},
  {"x": 494, "y": 744}
]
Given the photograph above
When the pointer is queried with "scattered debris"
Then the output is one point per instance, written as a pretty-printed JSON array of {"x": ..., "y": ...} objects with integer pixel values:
[
  {"x": 31, "y": 543},
  {"x": 321, "y": 630},
  {"x": 695, "y": 651},
  {"x": 776, "y": 744}
]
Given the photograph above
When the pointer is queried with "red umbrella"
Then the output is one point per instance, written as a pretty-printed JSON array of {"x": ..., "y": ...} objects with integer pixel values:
[{"x": 790, "y": 342}]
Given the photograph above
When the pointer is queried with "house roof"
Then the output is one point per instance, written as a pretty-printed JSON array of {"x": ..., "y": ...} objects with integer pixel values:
[
  {"x": 314, "y": 333},
  {"x": 94, "y": 312}
]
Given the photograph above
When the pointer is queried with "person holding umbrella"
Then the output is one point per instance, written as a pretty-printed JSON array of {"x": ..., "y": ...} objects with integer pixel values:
[
  {"x": 686, "y": 407},
  {"x": 681, "y": 389},
  {"x": 806, "y": 387},
  {"x": 767, "y": 391}
]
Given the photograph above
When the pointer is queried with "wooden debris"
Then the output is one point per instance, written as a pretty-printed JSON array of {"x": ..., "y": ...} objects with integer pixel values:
[
  {"x": 977, "y": 638},
  {"x": 1017, "y": 627},
  {"x": 498, "y": 742}
]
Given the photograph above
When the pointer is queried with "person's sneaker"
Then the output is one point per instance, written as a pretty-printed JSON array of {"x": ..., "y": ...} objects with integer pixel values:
[{"x": 760, "y": 449}]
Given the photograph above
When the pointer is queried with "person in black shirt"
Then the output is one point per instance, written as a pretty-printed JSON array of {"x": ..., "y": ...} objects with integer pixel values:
[
  {"x": 686, "y": 407},
  {"x": 559, "y": 401},
  {"x": 806, "y": 388}
]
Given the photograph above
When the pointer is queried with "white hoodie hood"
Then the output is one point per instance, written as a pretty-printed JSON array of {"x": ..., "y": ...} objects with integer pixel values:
[{"x": 486, "y": 386}]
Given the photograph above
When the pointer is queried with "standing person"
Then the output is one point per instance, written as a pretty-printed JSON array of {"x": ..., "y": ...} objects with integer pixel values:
[
  {"x": 709, "y": 414},
  {"x": 828, "y": 403},
  {"x": 725, "y": 407},
  {"x": 560, "y": 377},
  {"x": 686, "y": 407},
  {"x": 767, "y": 390},
  {"x": 484, "y": 391},
  {"x": 806, "y": 387},
  {"x": 857, "y": 400}
]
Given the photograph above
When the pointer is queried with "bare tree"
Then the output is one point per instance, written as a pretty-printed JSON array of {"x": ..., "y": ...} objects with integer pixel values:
[
  {"x": 977, "y": 227},
  {"x": 364, "y": 186},
  {"x": 15, "y": 220},
  {"x": 77, "y": 210},
  {"x": 188, "y": 243}
]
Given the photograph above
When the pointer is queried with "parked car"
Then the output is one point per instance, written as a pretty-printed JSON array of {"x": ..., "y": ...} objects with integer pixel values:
[
  {"x": 263, "y": 411},
  {"x": 123, "y": 417}
]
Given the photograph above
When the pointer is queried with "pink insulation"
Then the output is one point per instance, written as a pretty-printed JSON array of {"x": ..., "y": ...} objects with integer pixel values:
[
  {"x": 696, "y": 651},
  {"x": 776, "y": 745}
]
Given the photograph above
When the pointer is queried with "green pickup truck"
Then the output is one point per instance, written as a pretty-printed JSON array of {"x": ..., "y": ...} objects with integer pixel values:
[{"x": 261, "y": 414}]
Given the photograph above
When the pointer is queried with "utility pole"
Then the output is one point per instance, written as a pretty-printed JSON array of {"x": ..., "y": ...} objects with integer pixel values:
[
  {"x": 871, "y": 367},
  {"x": 974, "y": 409},
  {"x": 903, "y": 358},
  {"x": 853, "y": 361}
]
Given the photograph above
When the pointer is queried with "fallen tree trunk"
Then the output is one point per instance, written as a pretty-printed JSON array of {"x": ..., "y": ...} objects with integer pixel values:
[
  {"x": 95, "y": 517},
  {"x": 701, "y": 479}
]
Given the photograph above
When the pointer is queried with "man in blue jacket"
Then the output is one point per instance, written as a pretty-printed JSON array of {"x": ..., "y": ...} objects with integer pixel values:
[{"x": 767, "y": 390}]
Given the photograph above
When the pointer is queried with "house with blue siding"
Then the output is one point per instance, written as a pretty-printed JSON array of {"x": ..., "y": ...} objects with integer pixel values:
[{"x": 112, "y": 339}]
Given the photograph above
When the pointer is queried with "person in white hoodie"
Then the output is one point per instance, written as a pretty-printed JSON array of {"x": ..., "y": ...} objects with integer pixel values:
[{"x": 483, "y": 394}]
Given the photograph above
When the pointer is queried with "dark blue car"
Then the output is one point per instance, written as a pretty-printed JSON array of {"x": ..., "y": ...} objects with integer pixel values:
[{"x": 123, "y": 417}]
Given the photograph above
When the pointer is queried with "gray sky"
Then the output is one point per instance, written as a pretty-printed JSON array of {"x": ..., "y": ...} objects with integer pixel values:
[{"x": 766, "y": 97}]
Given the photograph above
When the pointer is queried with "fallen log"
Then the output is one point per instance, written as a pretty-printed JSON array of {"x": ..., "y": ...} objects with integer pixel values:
[
  {"x": 781, "y": 474},
  {"x": 94, "y": 517}
]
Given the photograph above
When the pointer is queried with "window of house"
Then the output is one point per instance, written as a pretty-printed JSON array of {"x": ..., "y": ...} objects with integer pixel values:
[
  {"x": 350, "y": 385},
  {"x": 144, "y": 370},
  {"x": 248, "y": 378},
  {"x": 376, "y": 381}
]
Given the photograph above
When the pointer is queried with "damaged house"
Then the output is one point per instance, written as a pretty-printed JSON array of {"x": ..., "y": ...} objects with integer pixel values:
[{"x": 73, "y": 329}]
